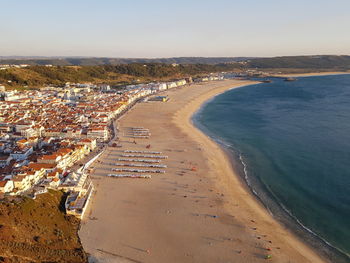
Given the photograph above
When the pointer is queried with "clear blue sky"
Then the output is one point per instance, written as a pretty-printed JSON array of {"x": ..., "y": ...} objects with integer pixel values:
[{"x": 164, "y": 28}]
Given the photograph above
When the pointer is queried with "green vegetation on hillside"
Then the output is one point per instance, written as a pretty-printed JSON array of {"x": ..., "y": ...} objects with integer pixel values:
[
  {"x": 112, "y": 74},
  {"x": 104, "y": 71},
  {"x": 39, "y": 231}
]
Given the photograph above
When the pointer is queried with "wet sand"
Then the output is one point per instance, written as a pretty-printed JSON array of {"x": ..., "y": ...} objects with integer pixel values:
[{"x": 198, "y": 211}]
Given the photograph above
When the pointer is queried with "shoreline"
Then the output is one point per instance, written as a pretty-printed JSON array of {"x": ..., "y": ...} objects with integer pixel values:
[
  {"x": 277, "y": 210},
  {"x": 267, "y": 199},
  {"x": 234, "y": 162},
  {"x": 230, "y": 200}
]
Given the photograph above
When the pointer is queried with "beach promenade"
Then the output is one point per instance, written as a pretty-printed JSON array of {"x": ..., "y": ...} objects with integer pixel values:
[{"x": 197, "y": 211}]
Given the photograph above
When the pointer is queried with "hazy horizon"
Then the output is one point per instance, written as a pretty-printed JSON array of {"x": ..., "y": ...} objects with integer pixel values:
[
  {"x": 158, "y": 29},
  {"x": 111, "y": 57}
]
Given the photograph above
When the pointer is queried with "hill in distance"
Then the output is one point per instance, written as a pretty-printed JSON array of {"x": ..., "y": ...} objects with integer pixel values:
[
  {"x": 121, "y": 71},
  {"x": 94, "y": 61},
  {"x": 315, "y": 61}
]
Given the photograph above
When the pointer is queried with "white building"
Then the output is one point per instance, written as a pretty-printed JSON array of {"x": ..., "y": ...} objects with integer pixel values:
[
  {"x": 98, "y": 133},
  {"x": 171, "y": 85},
  {"x": 21, "y": 154},
  {"x": 6, "y": 186},
  {"x": 181, "y": 82},
  {"x": 162, "y": 86}
]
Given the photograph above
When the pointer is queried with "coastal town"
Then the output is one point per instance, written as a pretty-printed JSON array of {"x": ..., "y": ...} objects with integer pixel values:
[
  {"x": 50, "y": 137},
  {"x": 174, "y": 131}
]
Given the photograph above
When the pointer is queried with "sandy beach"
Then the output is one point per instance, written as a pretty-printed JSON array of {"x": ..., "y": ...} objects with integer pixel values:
[
  {"x": 314, "y": 74},
  {"x": 198, "y": 211}
]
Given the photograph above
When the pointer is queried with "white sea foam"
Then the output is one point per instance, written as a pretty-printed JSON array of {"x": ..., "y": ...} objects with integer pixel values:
[{"x": 246, "y": 177}]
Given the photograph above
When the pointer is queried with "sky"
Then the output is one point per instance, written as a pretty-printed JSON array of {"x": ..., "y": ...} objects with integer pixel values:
[{"x": 176, "y": 28}]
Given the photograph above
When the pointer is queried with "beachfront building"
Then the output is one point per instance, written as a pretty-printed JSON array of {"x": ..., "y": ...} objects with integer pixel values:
[
  {"x": 189, "y": 80},
  {"x": 171, "y": 85},
  {"x": 77, "y": 201},
  {"x": 201, "y": 79},
  {"x": 100, "y": 133},
  {"x": 162, "y": 86},
  {"x": 180, "y": 83}
]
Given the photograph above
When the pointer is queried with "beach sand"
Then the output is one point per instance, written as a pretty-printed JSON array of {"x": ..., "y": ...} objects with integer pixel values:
[
  {"x": 314, "y": 74},
  {"x": 202, "y": 215}
]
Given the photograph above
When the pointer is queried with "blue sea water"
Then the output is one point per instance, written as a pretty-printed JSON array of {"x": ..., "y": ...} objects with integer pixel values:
[{"x": 294, "y": 141}]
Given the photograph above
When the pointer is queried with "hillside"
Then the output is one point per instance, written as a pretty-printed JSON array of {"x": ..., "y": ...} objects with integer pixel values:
[
  {"x": 116, "y": 72},
  {"x": 39, "y": 231},
  {"x": 37, "y": 76},
  {"x": 302, "y": 62},
  {"x": 322, "y": 61},
  {"x": 94, "y": 61}
]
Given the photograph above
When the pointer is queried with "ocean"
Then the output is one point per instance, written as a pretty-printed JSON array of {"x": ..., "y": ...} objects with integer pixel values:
[{"x": 291, "y": 141}]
